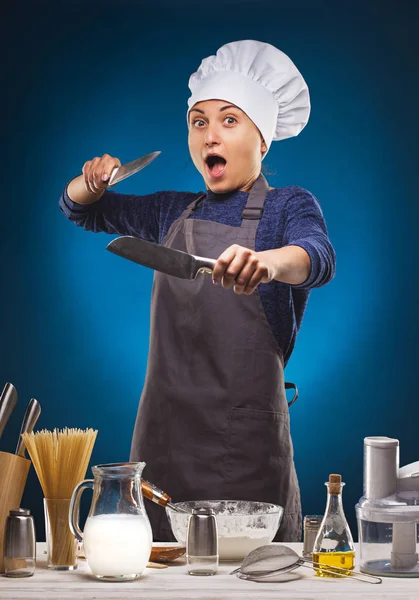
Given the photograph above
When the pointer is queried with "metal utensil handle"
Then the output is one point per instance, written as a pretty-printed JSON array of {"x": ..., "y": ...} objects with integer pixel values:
[
  {"x": 178, "y": 509},
  {"x": 205, "y": 270},
  {"x": 8, "y": 401},
  {"x": 73, "y": 513},
  {"x": 300, "y": 563},
  {"x": 204, "y": 265},
  {"x": 113, "y": 175},
  {"x": 344, "y": 572},
  {"x": 29, "y": 421}
]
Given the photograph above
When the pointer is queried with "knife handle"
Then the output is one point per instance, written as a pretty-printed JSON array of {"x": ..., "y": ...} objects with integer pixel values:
[
  {"x": 112, "y": 177},
  {"x": 205, "y": 270},
  {"x": 204, "y": 265},
  {"x": 8, "y": 401},
  {"x": 29, "y": 420}
]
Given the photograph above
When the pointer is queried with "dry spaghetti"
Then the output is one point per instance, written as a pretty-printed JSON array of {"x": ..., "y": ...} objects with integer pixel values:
[{"x": 60, "y": 459}]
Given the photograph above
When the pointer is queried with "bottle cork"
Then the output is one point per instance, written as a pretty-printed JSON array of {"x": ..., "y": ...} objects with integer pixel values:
[{"x": 335, "y": 484}]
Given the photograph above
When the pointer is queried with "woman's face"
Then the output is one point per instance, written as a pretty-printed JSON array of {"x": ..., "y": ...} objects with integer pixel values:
[{"x": 225, "y": 145}]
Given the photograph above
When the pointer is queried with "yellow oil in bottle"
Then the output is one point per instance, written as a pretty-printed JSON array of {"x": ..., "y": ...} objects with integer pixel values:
[{"x": 343, "y": 560}]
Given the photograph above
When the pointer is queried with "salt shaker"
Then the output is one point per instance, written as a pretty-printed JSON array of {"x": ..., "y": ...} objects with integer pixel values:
[
  {"x": 19, "y": 544},
  {"x": 311, "y": 527},
  {"x": 202, "y": 543}
]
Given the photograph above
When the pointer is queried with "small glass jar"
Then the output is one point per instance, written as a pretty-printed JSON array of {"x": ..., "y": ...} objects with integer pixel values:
[
  {"x": 202, "y": 543},
  {"x": 311, "y": 527},
  {"x": 20, "y": 544}
]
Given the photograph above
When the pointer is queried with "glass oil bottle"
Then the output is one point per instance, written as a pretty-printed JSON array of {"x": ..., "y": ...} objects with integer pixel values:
[{"x": 334, "y": 545}]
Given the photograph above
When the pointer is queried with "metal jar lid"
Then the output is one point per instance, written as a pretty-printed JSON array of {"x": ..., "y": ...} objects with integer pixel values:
[
  {"x": 19, "y": 534},
  {"x": 20, "y": 512},
  {"x": 312, "y": 521}
]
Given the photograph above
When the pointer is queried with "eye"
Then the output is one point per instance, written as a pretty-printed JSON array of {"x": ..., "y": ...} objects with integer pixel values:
[
  {"x": 196, "y": 122},
  {"x": 230, "y": 120}
]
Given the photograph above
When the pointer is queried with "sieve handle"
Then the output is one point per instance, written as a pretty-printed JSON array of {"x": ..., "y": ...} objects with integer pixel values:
[
  {"x": 342, "y": 572},
  {"x": 73, "y": 513}
]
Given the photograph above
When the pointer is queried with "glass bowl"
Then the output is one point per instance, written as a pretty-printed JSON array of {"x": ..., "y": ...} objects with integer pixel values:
[{"x": 242, "y": 525}]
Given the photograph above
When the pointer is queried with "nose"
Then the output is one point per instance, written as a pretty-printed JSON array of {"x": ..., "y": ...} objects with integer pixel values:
[{"x": 211, "y": 137}]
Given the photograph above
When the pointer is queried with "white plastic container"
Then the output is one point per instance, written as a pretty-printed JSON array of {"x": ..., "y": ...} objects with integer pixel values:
[{"x": 388, "y": 512}]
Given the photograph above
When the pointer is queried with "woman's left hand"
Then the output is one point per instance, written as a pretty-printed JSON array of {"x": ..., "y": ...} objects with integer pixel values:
[{"x": 241, "y": 269}]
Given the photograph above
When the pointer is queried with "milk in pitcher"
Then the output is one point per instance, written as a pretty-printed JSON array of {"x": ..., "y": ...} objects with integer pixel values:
[{"x": 117, "y": 545}]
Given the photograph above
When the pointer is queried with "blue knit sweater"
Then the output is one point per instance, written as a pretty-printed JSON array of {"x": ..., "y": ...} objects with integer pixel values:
[{"x": 292, "y": 216}]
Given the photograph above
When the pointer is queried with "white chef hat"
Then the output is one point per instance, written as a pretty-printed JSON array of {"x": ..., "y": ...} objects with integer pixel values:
[{"x": 260, "y": 80}]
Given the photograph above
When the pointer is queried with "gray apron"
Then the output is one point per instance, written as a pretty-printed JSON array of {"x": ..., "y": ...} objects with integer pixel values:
[{"x": 213, "y": 420}]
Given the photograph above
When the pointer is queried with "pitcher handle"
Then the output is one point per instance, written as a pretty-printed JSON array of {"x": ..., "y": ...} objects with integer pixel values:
[{"x": 73, "y": 513}]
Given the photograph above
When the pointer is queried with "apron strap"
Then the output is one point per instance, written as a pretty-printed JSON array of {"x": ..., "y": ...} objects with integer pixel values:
[
  {"x": 292, "y": 386},
  {"x": 193, "y": 205},
  {"x": 251, "y": 215},
  {"x": 252, "y": 212},
  {"x": 185, "y": 214}
]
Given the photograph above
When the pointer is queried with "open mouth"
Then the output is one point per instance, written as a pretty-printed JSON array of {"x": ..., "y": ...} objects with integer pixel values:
[{"x": 216, "y": 165}]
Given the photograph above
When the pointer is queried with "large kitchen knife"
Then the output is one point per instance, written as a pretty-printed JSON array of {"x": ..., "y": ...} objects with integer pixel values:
[
  {"x": 8, "y": 400},
  {"x": 157, "y": 257},
  {"x": 124, "y": 171}
]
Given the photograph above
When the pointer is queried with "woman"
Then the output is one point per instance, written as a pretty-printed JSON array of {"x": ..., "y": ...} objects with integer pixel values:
[{"x": 213, "y": 419}]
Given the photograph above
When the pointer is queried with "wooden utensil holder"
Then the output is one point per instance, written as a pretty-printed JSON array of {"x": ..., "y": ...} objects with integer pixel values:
[{"x": 13, "y": 475}]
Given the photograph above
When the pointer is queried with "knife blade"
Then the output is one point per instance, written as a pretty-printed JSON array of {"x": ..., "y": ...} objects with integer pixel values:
[
  {"x": 124, "y": 171},
  {"x": 155, "y": 256},
  {"x": 29, "y": 421},
  {"x": 8, "y": 400}
]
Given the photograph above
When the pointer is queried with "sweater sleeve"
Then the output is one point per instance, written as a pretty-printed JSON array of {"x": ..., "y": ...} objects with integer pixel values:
[
  {"x": 305, "y": 227},
  {"x": 117, "y": 213}
]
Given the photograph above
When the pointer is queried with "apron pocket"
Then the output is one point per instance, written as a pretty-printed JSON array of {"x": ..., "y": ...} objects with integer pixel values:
[{"x": 259, "y": 464}]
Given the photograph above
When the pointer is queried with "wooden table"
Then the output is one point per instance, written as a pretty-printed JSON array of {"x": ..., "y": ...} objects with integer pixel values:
[{"x": 175, "y": 583}]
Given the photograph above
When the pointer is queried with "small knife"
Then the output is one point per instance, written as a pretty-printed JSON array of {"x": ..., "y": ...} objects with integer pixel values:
[
  {"x": 8, "y": 400},
  {"x": 157, "y": 257},
  {"x": 124, "y": 171},
  {"x": 29, "y": 421}
]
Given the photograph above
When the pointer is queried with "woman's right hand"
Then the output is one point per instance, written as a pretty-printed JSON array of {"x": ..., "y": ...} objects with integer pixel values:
[{"x": 97, "y": 172}]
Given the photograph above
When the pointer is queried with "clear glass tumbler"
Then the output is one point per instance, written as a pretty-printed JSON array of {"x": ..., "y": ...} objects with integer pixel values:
[{"x": 61, "y": 543}]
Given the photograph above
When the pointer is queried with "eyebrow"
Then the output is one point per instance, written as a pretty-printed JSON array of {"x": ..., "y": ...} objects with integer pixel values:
[{"x": 221, "y": 109}]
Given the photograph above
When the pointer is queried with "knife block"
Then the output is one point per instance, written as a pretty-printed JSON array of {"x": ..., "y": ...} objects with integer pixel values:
[{"x": 13, "y": 475}]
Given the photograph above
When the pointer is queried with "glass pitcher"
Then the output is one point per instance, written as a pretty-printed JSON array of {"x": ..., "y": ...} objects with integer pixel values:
[{"x": 117, "y": 535}]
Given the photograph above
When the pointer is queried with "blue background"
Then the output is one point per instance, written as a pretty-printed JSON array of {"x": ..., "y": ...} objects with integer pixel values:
[{"x": 85, "y": 78}]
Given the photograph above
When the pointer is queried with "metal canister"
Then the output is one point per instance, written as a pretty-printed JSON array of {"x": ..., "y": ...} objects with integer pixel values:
[
  {"x": 19, "y": 544},
  {"x": 202, "y": 543},
  {"x": 311, "y": 527}
]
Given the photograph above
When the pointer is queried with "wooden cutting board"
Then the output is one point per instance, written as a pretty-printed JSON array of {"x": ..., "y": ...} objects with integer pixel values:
[{"x": 163, "y": 554}]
